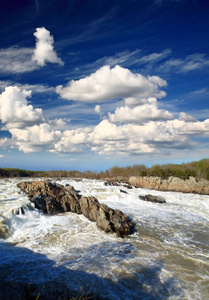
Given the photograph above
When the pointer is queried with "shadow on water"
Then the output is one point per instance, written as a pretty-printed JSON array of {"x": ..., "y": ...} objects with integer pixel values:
[{"x": 25, "y": 274}]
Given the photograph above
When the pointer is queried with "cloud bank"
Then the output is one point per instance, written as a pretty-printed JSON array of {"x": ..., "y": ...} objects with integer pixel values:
[{"x": 135, "y": 126}]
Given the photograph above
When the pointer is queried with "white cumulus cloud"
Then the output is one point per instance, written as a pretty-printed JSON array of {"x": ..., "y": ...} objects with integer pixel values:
[
  {"x": 14, "y": 108},
  {"x": 44, "y": 51},
  {"x": 35, "y": 138},
  {"x": 73, "y": 141},
  {"x": 106, "y": 84},
  {"x": 194, "y": 128},
  {"x": 30, "y": 130},
  {"x": 140, "y": 114}
]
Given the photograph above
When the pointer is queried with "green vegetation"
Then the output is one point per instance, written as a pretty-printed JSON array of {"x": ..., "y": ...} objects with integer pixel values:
[
  {"x": 199, "y": 169},
  {"x": 6, "y": 172}
]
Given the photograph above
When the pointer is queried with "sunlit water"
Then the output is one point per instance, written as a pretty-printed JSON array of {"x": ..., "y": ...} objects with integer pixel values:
[{"x": 166, "y": 258}]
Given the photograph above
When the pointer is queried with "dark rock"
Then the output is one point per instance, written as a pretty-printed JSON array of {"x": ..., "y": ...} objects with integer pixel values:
[
  {"x": 122, "y": 191},
  {"x": 128, "y": 186},
  {"x": 40, "y": 203},
  {"x": 151, "y": 198},
  {"x": 90, "y": 207},
  {"x": 111, "y": 182},
  {"x": 117, "y": 182},
  {"x": 54, "y": 198},
  {"x": 103, "y": 219}
]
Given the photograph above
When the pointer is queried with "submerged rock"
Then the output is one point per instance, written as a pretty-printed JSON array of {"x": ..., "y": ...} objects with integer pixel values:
[
  {"x": 151, "y": 198},
  {"x": 116, "y": 182},
  {"x": 54, "y": 198}
]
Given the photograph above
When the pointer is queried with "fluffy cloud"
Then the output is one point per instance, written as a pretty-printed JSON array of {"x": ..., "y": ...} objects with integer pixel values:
[
  {"x": 134, "y": 101},
  {"x": 29, "y": 129},
  {"x": 73, "y": 141},
  {"x": 140, "y": 114},
  {"x": 97, "y": 109},
  {"x": 107, "y": 83},
  {"x": 44, "y": 51},
  {"x": 191, "y": 128},
  {"x": 35, "y": 138},
  {"x": 14, "y": 108},
  {"x": 106, "y": 131}
]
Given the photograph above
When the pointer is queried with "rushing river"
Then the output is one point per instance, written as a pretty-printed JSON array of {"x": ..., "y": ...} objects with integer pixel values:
[{"x": 166, "y": 258}]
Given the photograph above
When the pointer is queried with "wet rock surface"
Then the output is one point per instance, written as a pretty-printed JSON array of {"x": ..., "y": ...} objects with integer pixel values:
[
  {"x": 152, "y": 198},
  {"x": 54, "y": 198}
]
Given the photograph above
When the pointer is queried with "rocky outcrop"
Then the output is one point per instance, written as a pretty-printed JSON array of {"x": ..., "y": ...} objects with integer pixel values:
[
  {"x": 152, "y": 198},
  {"x": 191, "y": 185},
  {"x": 54, "y": 198},
  {"x": 117, "y": 182}
]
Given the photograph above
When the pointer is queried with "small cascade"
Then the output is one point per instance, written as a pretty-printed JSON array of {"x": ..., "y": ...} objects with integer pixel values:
[{"x": 21, "y": 210}]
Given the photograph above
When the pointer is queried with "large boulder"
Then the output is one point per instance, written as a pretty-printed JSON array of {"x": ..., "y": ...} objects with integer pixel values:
[
  {"x": 54, "y": 198},
  {"x": 51, "y": 198}
]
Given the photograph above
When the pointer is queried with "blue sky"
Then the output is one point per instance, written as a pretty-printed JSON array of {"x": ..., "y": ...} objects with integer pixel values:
[{"x": 92, "y": 84}]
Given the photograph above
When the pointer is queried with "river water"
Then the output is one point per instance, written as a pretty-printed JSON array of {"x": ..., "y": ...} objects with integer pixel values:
[{"x": 166, "y": 258}]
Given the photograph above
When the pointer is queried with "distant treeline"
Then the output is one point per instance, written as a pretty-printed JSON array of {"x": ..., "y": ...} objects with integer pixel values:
[{"x": 199, "y": 169}]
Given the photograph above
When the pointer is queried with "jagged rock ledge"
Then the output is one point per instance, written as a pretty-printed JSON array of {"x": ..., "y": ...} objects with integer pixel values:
[
  {"x": 54, "y": 198},
  {"x": 191, "y": 185}
]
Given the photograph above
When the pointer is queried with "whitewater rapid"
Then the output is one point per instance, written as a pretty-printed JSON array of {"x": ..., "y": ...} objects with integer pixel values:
[{"x": 166, "y": 258}]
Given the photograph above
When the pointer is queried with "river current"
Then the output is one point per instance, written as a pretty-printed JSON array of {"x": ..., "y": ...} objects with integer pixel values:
[{"x": 166, "y": 258}]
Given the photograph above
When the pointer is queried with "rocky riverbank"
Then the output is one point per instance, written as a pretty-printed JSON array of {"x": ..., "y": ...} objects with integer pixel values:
[{"x": 191, "y": 185}]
